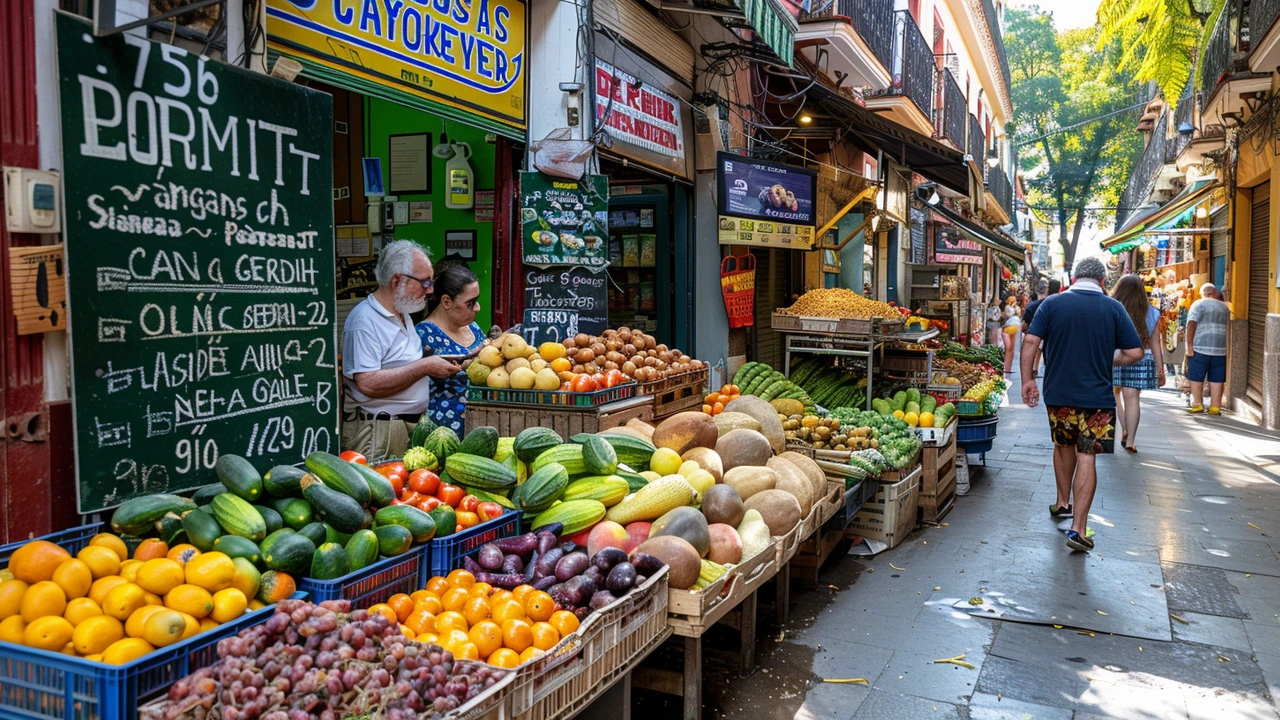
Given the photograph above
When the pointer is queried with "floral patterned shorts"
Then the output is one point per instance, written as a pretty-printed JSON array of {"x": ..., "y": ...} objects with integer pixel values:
[{"x": 1089, "y": 430}]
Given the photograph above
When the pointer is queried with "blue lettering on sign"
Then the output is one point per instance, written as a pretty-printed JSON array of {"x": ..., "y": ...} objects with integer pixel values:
[
  {"x": 393, "y": 11},
  {"x": 482, "y": 18},
  {"x": 500, "y": 18},
  {"x": 344, "y": 14},
  {"x": 370, "y": 12},
  {"x": 412, "y": 40}
]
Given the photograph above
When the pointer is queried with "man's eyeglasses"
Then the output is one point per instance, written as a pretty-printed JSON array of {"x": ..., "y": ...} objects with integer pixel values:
[{"x": 426, "y": 284}]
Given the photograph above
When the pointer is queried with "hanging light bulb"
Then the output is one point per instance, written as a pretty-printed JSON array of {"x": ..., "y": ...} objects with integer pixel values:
[{"x": 1202, "y": 212}]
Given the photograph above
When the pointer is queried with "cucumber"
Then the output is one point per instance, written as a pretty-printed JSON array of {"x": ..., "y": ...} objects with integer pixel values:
[
  {"x": 315, "y": 532},
  {"x": 380, "y": 491},
  {"x": 235, "y": 546},
  {"x": 341, "y": 511},
  {"x": 202, "y": 529},
  {"x": 139, "y": 515},
  {"x": 393, "y": 540},
  {"x": 238, "y": 517},
  {"x": 295, "y": 512},
  {"x": 271, "y": 517},
  {"x": 283, "y": 481},
  {"x": 339, "y": 475},
  {"x": 274, "y": 537},
  {"x": 330, "y": 562},
  {"x": 206, "y": 494},
  {"x": 418, "y": 523},
  {"x": 240, "y": 477},
  {"x": 291, "y": 553},
  {"x": 362, "y": 549},
  {"x": 170, "y": 529},
  {"x": 331, "y": 535}
]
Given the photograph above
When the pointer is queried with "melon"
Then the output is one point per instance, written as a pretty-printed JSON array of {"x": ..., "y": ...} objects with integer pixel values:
[
  {"x": 779, "y": 509},
  {"x": 743, "y": 447},
  {"x": 765, "y": 414},
  {"x": 687, "y": 523},
  {"x": 684, "y": 431},
  {"x": 726, "y": 544},
  {"x": 722, "y": 504},
  {"x": 682, "y": 559},
  {"x": 749, "y": 480},
  {"x": 791, "y": 480},
  {"x": 811, "y": 470},
  {"x": 707, "y": 459}
]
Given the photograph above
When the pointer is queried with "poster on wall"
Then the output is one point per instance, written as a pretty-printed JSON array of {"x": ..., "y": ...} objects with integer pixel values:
[
  {"x": 765, "y": 203},
  {"x": 638, "y": 113},
  {"x": 564, "y": 222},
  {"x": 949, "y": 246}
]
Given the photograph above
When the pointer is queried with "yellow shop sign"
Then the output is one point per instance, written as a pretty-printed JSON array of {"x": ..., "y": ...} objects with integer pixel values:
[{"x": 466, "y": 53}]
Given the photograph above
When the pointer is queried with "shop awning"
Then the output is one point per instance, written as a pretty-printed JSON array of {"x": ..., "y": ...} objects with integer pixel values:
[
  {"x": 872, "y": 133},
  {"x": 1147, "y": 220},
  {"x": 774, "y": 26},
  {"x": 977, "y": 233}
]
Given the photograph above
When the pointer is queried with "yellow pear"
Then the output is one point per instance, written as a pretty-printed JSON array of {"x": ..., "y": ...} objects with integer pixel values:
[
  {"x": 522, "y": 378},
  {"x": 537, "y": 364},
  {"x": 490, "y": 355},
  {"x": 514, "y": 346},
  {"x": 498, "y": 378},
  {"x": 547, "y": 379},
  {"x": 517, "y": 363}
]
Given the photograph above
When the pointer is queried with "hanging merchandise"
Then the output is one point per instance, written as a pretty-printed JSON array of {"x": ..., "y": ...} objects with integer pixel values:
[
  {"x": 738, "y": 284},
  {"x": 460, "y": 179}
]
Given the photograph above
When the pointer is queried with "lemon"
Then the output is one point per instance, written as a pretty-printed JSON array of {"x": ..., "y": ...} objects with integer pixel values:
[
  {"x": 48, "y": 633},
  {"x": 666, "y": 461},
  {"x": 96, "y": 634},
  {"x": 126, "y": 650}
]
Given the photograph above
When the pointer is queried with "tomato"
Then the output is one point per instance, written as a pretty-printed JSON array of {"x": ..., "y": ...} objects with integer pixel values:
[
  {"x": 353, "y": 456},
  {"x": 424, "y": 481},
  {"x": 583, "y": 383},
  {"x": 397, "y": 482},
  {"x": 393, "y": 468},
  {"x": 488, "y": 510},
  {"x": 566, "y": 386},
  {"x": 469, "y": 503},
  {"x": 614, "y": 378},
  {"x": 430, "y": 503},
  {"x": 450, "y": 495},
  {"x": 410, "y": 497},
  {"x": 467, "y": 519},
  {"x": 598, "y": 379}
]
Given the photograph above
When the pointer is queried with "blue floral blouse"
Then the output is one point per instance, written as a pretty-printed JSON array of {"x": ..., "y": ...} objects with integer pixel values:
[{"x": 448, "y": 400}]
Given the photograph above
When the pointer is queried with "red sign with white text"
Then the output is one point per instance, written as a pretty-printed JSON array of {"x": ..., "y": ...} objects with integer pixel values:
[{"x": 638, "y": 113}]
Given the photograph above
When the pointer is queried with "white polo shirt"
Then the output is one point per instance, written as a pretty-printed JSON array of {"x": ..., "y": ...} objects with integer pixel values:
[{"x": 375, "y": 338}]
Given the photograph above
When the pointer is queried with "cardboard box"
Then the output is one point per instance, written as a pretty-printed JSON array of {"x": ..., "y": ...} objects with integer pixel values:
[{"x": 891, "y": 515}]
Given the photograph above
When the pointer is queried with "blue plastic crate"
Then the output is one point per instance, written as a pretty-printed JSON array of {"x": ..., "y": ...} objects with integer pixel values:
[
  {"x": 42, "y": 684},
  {"x": 377, "y": 582},
  {"x": 447, "y": 552},
  {"x": 975, "y": 432},
  {"x": 73, "y": 541},
  {"x": 854, "y": 498}
]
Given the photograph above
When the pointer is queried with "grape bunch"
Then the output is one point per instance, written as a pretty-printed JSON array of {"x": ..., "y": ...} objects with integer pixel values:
[{"x": 324, "y": 661}]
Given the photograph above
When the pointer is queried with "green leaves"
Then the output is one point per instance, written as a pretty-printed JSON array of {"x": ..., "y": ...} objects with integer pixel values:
[{"x": 1163, "y": 39}]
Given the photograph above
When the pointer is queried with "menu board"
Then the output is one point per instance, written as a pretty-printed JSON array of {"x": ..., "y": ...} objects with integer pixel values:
[
  {"x": 765, "y": 203},
  {"x": 200, "y": 257},
  {"x": 919, "y": 237},
  {"x": 950, "y": 246},
  {"x": 564, "y": 222},
  {"x": 570, "y": 289}
]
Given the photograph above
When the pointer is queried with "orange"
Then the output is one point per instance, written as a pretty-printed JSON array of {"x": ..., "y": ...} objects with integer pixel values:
[
  {"x": 160, "y": 575},
  {"x": 539, "y": 606},
  {"x": 499, "y": 595},
  {"x": 451, "y": 620},
  {"x": 530, "y": 653},
  {"x": 98, "y": 591},
  {"x": 256, "y": 604},
  {"x": 48, "y": 633},
  {"x": 437, "y": 586},
  {"x": 212, "y": 571},
  {"x": 430, "y": 603},
  {"x": 102, "y": 561},
  {"x": 454, "y": 639},
  {"x": 545, "y": 637},
  {"x": 504, "y": 658},
  {"x": 164, "y": 627},
  {"x": 192, "y": 600},
  {"x": 183, "y": 553},
  {"x": 455, "y": 598},
  {"x": 122, "y": 600},
  {"x": 475, "y": 610},
  {"x": 467, "y": 651},
  {"x": 481, "y": 589},
  {"x": 428, "y": 638},
  {"x": 417, "y": 595},
  {"x": 385, "y": 611},
  {"x": 81, "y": 609},
  {"x": 402, "y": 604},
  {"x": 12, "y": 629},
  {"x": 421, "y": 621},
  {"x": 36, "y": 561},
  {"x": 150, "y": 549},
  {"x": 564, "y": 621},
  {"x": 560, "y": 365},
  {"x": 517, "y": 635},
  {"x": 487, "y": 637},
  {"x": 136, "y": 625},
  {"x": 112, "y": 543},
  {"x": 74, "y": 577},
  {"x": 208, "y": 624},
  {"x": 95, "y": 634},
  {"x": 509, "y": 610},
  {"x": 228, "y": 604},
  {"x": 461, "y": 578},
  {"x": 11, "y": 592},
  {"x": 126, "y": 650},
  {"x": 129, "y": 570},
  {"x": 407, "y": 633},
  {"x": 43, "y": 600},
  {"x": 521, "y": 592}
]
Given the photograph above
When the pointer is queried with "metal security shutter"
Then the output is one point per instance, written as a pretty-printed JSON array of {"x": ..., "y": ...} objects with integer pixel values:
[
  {"x": 1259, "y": 263},
  {"x": 773, "y": 281},
  {"x": 1220, "y": 232}
]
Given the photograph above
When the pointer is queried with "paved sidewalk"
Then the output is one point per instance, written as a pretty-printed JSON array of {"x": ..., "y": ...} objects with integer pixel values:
[{"x": 1176, "y": 614}]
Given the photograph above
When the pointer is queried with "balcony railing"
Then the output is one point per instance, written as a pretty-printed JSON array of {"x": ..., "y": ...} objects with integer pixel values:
[
  {"x": 1184, "y": 120},
  {"x": 872, "y": 19},
  {"x": 912, "y": 64},
  {"x": 997, "y": 35},
  {"x": 951, "y": 113},
  {"x": 1220, "y": 51},
  {"x": 1262, "y": 15},
  {"x": 1000, "y": 188},
  {"x": 1153, "y": 156},
  {"x": 977, "y": 141}
]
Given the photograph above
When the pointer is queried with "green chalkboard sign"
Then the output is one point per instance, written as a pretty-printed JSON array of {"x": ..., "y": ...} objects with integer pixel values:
[
  {"x": 200, "y": 256},
  {"x": 564, "y": 222}
]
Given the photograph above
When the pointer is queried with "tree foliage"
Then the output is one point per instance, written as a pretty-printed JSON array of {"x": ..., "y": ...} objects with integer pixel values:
[
  {"x": 1076, "y": 150},
  {"x": 1162, "y": 40}
]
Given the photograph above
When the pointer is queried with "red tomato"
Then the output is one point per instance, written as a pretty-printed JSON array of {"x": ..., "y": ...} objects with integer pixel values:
[
  {"x": 467, "y": 519},
  {"x": 424, "y": 481},
  {"x": 469, "y": 503},
  {"x": 598, "y": 378},
  {"x": 614, "y": 378},
  {"x": 566, "y": 386},
  {"x": 397, "y": 482},
  {"x": 355, "y": 457},
  {"x": 488, "y": 510},
  {"x": 583, "y": 383},
  {"x": 450, "y": 495},
  {"x": 430, "y": 503},
  {"x": 393, "y": 468},
  {"x": 409, "y": 497}
]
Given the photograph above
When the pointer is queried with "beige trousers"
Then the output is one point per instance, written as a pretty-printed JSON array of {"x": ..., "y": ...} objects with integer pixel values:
[{"x": 378, "y": 439}]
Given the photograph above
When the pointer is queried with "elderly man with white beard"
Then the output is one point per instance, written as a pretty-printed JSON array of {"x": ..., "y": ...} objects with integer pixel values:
[{"x": 384, "y": 373}]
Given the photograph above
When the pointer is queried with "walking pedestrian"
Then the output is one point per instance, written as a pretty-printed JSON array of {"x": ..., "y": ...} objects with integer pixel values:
[
  {"x": 1148, "y": 373},
  {"x": 1011, "y": 325},
  {"x": 1088, "y": 332},
  {"x": 994, "y": 321},
  {"x": 1207, "y": 348}
]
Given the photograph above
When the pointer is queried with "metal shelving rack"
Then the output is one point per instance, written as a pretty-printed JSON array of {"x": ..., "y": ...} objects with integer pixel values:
[{"x": 845, "y": 345}]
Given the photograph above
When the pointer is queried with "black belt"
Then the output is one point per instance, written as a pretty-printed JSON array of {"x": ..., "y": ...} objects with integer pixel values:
[{"x": 362, "y": 414}]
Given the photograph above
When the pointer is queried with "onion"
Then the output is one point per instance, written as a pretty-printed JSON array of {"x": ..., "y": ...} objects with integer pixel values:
[
  {"x": 629, "y": 369},
  {"x": 585, "y": 355},
  {"x": 581, "y": 340}
]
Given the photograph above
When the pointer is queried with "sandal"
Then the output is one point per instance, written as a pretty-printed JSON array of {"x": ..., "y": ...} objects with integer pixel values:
[{"x": 1131, "y": 449}]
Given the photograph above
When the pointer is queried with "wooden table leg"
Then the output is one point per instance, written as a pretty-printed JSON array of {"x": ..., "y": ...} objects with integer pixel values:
[
  {"x": 747, "y": 631},
  {"x": 783, "y": 578},
  {"x": 692, "y": 678}
]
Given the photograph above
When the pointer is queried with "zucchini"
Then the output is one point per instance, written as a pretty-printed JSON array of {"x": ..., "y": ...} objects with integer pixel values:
[
  {"x": 139, "y": 515},
  {"x": 362, "y": 549},
  {"x": 341, "y": 511},
  {"x": 380, "y": 491},
  {"x": 417, "y": 522},
  {"x": 291, "y": 553},
  {"x": 283, "y": 481},
  {"x": 295, "y": 512},
  {"x": 338, "y": 474},
  {"x": 331, "y": 535},
  {"x": 170, "y": 529},
  {"x": 202, "y": 529},
  {"x": 235, "y": 546},
  {"x": 206, "y": 494},
  {"x": 330, "y": 562},
  {"x": 274, "y": 537},
  {"x": 239, "y": 476},
  {"x": 315, "y": 532},
  {"x": 393, "y": 540},
  {"x": 271, "y": 517}
]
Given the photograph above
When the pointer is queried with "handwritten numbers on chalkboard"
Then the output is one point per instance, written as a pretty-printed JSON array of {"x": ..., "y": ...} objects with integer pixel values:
[
  {"x": 314, "y": 439},
  {"x": 276, "y": 437},
  {"x": 151, "y": 478},
  {"x": 195, "y": 454},
  {"x": 317, "y": 313},
  {"x": 206, "y": 83},
  {"x": 324, "y": 346}
]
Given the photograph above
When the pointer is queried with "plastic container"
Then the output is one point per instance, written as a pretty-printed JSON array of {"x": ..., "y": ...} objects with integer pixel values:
[
  {"x": 375, "y": 583},
  {"x": 854, "y": 498},
  {"x": 73, "y": 540},
  {"x": 559, "y": 398},
  {"x": 973, "y": 432},
  {"x": 447, "y": 552}
]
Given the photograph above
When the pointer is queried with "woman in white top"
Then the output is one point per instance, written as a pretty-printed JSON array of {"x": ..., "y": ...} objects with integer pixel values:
[{"x": 1011, "y": 326}]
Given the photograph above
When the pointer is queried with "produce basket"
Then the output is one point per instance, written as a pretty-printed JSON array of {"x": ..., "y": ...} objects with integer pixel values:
[
  {"x": 782, "y": 322},
  {"x": 559, "y": 398},
  {"x": 42, "y": 684},
  {"x": 691, "y": 612},
  {"x": 374, "y": 583},
  {"x": 891, "y": 515},
  {"x": 830, "y": 504},
  {"x": 854, "y": 498},
  {"x": 447, "y": 552},
  {"x": 978, "y": 431},
  {"x": 73, "y": 540},
  {"x": 673, "y": 381}
]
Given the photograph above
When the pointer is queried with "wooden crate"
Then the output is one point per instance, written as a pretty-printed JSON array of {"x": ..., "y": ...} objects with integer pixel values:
[
  {"x": 678, "y": 399},
  {"x": 691, "y": 612},
  {"x": 891, "y": 476},
  {"x": 511, "y": 419},
  {"x": 938, "y": 481}
]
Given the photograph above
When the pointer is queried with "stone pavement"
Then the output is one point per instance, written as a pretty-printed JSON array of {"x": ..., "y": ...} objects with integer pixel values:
[{"x": 1176, "y": 614}]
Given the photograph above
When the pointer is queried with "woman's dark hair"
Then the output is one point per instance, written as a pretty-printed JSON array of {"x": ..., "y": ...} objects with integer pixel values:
[
  {"x": 1131, "y": 293},
  {"x": 451, "y": 279}
]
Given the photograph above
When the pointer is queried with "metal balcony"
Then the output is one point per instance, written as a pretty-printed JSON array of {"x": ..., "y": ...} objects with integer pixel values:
[
  {"x": 1262, "y": 15},
  {"x": 951, "y": 111},
  {"x": 977, "y": 141},
  {"x": 1219, "y": 53},
  {"x": 1001, "y": 188},
  {"x": 913, "y": 78},
  {"x": 997, "y": 35},
  {"x": 1142, "y": 178},
  {"x": 872, "y": 19},
  {"x": 860, "y": 35}
]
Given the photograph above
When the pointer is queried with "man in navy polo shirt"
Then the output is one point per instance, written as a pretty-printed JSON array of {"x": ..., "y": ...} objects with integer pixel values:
[{"x": 1084, "y": 333}]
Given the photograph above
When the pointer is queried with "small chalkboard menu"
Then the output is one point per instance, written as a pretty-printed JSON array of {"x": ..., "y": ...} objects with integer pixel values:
[
  {"x": 200, "y": 256},
  {"x": 575, "y": 289},
  {"x": 919, "y": 236},
  {"x": 549, "y": 325}
]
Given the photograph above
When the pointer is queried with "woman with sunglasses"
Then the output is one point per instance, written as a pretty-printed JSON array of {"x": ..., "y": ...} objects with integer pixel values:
[{"x": 450, "y": 331}]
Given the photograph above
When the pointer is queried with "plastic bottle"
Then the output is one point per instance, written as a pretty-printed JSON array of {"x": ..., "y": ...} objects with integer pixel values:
[{"x": 460, "y": 190}]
